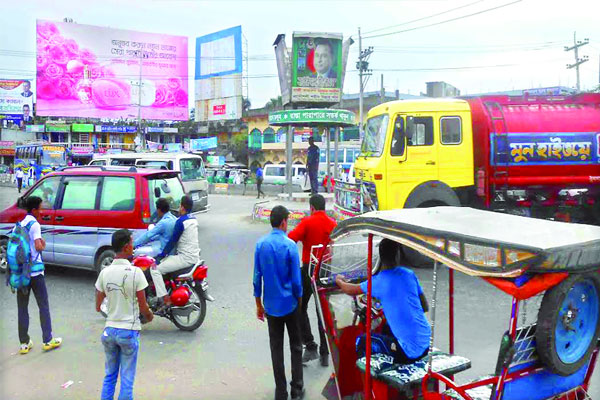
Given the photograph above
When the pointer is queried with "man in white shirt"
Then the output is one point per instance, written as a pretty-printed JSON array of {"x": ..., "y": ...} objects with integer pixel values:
[
  {"x": 37, "y": 244},
  {"x": 19, "y": 175},
  {"x": 123, "y": 285}
]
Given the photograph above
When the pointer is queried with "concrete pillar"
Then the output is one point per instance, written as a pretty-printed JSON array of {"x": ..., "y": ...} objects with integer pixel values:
[{"x": 288, "y": 159}]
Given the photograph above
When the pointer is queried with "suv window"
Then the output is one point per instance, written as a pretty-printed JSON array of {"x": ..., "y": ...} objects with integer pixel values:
[
  {"x": 122, "y": 161},
  {"x": 98, "y": 162},
  {"x": 155, "y": 164},
  {"x": 170, "y": 188},
  {"x": 191, "y": 169},
  {"x": 423, "y": 134},
  {"x": 47, "y": 191},
  {"x": 451, "y": 132},
  {"x": 80, "y": 193},
  {"x": 118, "y": 194}
]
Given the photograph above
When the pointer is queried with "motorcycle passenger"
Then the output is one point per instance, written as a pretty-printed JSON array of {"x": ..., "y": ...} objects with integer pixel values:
[
  {"x": 406, "y": 335},
  {"x": 154, "y": 240},
  {"x": 185, "y": 241}
]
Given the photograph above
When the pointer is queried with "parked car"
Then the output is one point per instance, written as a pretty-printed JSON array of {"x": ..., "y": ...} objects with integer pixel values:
[
  {"x": 83, "y": 206},
  {"x": 275, "y": 174},
  {"x": 191, "y": 166}
]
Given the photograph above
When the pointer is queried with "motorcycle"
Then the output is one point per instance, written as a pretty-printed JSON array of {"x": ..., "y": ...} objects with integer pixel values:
[{"x": 187, "y": 288}]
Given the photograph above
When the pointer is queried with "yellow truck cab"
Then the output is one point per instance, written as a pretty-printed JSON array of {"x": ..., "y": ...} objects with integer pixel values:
[{"x": 415, "y": 153}]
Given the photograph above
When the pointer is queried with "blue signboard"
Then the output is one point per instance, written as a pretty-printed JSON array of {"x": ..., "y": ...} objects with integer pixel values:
[
  {"x": 555, "y": 148},
  {"x": 116, "y": 128},
  {"x": 203, "y": 144},
  {"x": 174, "y": 147}
]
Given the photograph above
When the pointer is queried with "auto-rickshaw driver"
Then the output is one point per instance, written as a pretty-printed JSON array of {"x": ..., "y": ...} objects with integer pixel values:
[{"x": 406, "y": 335}]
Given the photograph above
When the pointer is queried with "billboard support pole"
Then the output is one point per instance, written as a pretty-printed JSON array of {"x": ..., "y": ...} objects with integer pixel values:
[
  {"x": 360, "y": 78},
  {"x": 328, "y": 156},
  {"x": 139, "y": 117},
  {"x": 336, "y": 140},
  {"x": 288, "y": 159}
]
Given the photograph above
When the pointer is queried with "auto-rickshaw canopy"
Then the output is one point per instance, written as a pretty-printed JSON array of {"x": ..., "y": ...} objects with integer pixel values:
[{"x": 484, "y": 243}]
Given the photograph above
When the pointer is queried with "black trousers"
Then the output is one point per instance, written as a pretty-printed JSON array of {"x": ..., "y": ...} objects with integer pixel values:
[
  {"x": 307, "y": 336},
  {"x": 20, "y": 184},
  {"x": 38, "y": 287},
  {"x": 258, "y": 187},
  {"x": 277, "y": 325}
]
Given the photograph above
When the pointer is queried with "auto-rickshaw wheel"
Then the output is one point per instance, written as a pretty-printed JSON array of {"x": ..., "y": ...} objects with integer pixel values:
[{"x": 569, "y": 323}]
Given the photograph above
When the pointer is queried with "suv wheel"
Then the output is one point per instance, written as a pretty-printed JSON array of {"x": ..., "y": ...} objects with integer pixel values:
[
  {"x": 3, "y": 256},
  {"x": 104, "y": 260}
]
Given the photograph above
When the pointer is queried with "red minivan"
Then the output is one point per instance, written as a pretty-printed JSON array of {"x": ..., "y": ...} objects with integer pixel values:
[{"x": 83, "y": 206}]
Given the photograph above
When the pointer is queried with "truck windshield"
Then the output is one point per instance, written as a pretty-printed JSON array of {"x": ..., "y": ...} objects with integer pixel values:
[{"x": 372, "y": 145}]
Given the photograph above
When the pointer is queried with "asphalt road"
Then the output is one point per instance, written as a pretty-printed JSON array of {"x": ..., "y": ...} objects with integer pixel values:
[{"x": 228, "y": 357}]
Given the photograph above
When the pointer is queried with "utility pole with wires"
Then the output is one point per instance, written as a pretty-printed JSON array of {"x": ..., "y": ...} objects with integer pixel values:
[
  {"x": 364, "y": 73},
  {"x": 578, "y": 61}
]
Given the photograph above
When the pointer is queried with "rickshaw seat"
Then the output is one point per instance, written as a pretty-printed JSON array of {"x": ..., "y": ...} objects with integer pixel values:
[{"x": 406, "y": 376}]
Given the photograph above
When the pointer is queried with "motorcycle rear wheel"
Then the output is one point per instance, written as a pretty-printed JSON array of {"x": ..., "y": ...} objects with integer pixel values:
[{"x": 191, "y": 324}]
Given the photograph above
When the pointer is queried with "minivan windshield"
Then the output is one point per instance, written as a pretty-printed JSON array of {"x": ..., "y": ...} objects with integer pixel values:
[{"x": 374, "y": 140}]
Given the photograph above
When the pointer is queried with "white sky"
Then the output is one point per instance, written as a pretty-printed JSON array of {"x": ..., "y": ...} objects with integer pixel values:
[{"x": 530, "y": 34}]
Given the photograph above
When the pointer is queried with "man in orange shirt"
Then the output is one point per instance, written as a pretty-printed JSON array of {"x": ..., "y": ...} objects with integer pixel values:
[{"x": 312, "y": 231}]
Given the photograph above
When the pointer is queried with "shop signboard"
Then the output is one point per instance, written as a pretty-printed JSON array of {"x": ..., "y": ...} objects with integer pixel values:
[
  {"x": 82, "y": 128},
  {"x": 160, "y": 129},
  {"x": 116, "y": 128},
  {"x": 35, "y": 128},
  {"x": 203, "y": 144},
  {"x": 58, "y": 128}
]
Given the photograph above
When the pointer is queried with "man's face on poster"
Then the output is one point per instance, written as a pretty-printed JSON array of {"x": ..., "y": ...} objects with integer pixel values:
[
  {"x": 26, "y": 87},
  {"x": 323, "y": 58},
  {"x": 26, "y": 111}
]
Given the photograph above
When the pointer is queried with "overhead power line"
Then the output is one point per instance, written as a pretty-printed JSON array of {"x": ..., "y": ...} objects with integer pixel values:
[
  {"x": 445, "y": 21},
  {"x": 423, "y": 18}
]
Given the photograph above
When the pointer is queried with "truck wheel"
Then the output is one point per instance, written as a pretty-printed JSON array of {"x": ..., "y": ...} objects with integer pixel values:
[
  {"x": 104, "y": 260},
  {"x": 569, "y": 323}
]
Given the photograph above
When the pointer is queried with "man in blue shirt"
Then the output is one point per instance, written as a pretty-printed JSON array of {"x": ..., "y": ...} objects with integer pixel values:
[
  {"x": 312, "y": 164},
  {"x": 277, "y": 267},
  {"x": 259, "y": 181},
  {"x": 155, "y": 239},
  {"x": 406, "y": 336}
]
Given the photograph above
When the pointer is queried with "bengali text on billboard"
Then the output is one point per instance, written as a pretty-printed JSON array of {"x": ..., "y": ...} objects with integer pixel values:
[
  {"x": 316, "y": 67},
  {"x": 16, "y": 100},
  {"x": 91, "y": 71},
  {"x": 219, "y": 75}
]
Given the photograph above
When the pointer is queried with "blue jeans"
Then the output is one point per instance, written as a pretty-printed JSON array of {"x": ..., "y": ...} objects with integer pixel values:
[{"x": 121, "y": 349}]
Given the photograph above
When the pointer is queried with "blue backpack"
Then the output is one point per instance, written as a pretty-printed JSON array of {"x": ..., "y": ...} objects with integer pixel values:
[{"x": 18, "y": 255}]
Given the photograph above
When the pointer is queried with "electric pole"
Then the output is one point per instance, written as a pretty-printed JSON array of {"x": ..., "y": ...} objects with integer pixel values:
[
  {"x": 363, "y": 73},
  {"x": 578, "y": 61}
]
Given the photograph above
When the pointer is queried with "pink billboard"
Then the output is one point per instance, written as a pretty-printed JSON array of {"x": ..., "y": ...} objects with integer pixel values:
[{"x": 95, "y": 72}]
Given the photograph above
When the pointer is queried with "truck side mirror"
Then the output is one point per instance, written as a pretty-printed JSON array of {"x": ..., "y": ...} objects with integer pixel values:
[{"x": 410, "y": 127}]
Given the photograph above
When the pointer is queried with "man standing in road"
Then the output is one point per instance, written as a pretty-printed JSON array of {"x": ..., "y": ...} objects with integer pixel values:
[
  {"x": 123, "y": 285},
  {"x": 19, "y": 175},
  {"x": 312, "y": 164},
  {"x": 259, "y": 181},
  {"x": 312, "y": 231},
  {"x": 37, "y": 244},
  {"x": 277, "y": 267}
]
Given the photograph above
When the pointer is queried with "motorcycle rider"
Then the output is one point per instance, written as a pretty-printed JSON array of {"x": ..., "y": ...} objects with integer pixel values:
[
  {"x": 155, "y": 240},
  {"x": 185, "y": 240}
]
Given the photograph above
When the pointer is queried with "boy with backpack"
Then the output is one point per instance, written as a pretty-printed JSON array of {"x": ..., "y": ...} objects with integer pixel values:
[{"x": 26, "y": 274}]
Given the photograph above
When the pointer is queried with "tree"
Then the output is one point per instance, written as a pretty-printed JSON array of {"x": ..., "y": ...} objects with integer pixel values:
[
  {"x": 239, "y": 148},
  {"x": 274, "y": 104}
]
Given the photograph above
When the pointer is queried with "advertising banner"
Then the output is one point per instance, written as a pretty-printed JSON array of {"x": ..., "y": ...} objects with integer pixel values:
[
  {"x": 312, "y": 116},
  {"x": 82, "y": 150},
  {"x": 219, "y": 75},
  {"x": 16, "y": 100},
  {"x": 174, "y": 147},
  {"x": 316, "y": 67},
  {"x": 546, "y": 148},
  {"x": 95, "y": 72},
  {"x": 35, "y": 128},
  {"x": 203, "y": 144},
  {"x": 159, "y": 129}
]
